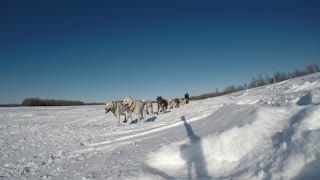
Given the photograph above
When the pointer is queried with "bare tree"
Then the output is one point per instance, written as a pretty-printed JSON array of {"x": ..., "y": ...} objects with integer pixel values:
[
  {"x": 311, "y": 69},
  {"x": 316, "y": 67}
]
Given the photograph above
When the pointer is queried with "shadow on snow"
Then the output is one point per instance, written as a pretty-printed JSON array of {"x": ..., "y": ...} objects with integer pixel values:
[{"x": 192, "y": 153}]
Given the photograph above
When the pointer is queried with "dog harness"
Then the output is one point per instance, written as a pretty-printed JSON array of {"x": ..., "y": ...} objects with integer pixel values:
[
  {"x": 133, "y": 105},
  {"x": 114, "y": 107}
]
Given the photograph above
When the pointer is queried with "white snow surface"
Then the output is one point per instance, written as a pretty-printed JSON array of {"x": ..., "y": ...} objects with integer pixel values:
[{"x": 270, "y": 132}]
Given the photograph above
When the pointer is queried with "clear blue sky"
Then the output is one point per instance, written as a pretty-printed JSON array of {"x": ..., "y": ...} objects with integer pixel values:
[{"x": 96, "y": 51}]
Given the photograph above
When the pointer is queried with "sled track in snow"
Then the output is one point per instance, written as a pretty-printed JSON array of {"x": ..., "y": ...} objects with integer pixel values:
[{"x": 117, "y": 142}]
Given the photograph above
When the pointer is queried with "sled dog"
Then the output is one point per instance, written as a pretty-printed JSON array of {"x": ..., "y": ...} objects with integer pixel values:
[
  {"x": 162, "y": 104},
  {"x": 171, "y": 103},
  {"x": 182, "y": 101},
  {"x": 148, "y": 106},
  {"x": 135, "y": 106},
  {"x": 176, "y": 100},
  {"x": 118, "y": 109}
]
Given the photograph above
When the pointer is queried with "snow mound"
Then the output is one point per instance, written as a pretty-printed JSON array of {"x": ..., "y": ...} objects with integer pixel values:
[
  {"x": 268, "y": 143},
  {"x": 312, "y": 97}
]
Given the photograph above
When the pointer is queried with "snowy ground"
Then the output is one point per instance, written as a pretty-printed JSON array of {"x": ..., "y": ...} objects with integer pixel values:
[{"x": 270, "y": 132}]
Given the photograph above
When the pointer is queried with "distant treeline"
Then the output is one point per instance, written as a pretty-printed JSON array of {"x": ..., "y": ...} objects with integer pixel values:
[
  {"x": 261, "y": 81},
  {"x": 50, "y": 102},
  {"x": 10, "y": 105}
]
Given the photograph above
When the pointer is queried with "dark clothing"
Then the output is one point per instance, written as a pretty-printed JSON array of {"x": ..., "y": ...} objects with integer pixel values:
[{"x": 186, "y": 96}]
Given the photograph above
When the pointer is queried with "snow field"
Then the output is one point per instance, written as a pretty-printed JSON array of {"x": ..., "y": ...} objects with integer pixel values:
[{"x": 270, "y": 132}]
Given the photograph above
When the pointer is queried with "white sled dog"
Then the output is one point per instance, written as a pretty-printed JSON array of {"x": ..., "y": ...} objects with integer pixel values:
[
  {"x": 137, "y": 107},
  {"x": 148, "y": 107},
  {"x": 171, "y": 103},
  {"x": 182, "y": 101},
  {"x": 118, "y": 109}
]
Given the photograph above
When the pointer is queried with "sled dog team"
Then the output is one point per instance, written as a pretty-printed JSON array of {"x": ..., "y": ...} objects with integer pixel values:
[{"x": 141, "y": 107}]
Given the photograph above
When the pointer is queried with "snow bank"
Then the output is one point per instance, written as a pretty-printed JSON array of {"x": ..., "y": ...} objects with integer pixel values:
[
  {"x": 224, "y": 153},
  {"x": 312, "y": 97},
  {"x": 276, "y": 145}
]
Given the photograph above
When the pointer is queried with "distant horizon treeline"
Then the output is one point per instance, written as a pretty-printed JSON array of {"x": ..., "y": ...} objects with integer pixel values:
[
  {"x": 53, "y": 102},
  {"x": 49, "y": 102},
  {"x": 10, "y": 105},
  {"x": 261, "y": 81}
]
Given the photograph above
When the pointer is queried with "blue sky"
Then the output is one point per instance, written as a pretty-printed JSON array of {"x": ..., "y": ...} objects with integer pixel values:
[{"x": 96, "y": 51}]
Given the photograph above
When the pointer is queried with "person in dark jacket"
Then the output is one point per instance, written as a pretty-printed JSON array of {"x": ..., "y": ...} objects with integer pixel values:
[{"x": 186, "y": 96}]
